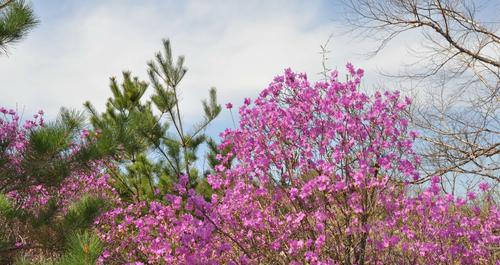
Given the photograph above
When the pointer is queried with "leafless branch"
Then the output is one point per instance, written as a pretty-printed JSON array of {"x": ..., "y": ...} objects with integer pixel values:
[{"x": 459, "y": 68}]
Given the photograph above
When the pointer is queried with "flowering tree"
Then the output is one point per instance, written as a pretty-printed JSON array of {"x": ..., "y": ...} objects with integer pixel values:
[{"x": 320, "y": 175}]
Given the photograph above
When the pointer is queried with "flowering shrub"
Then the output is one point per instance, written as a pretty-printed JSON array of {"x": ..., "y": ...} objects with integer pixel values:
[
  {"x": 321, "y": 176},
  {"x": 155, "y": 233}
]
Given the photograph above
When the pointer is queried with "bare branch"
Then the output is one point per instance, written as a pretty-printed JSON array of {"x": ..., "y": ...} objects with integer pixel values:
[{"x": 459, "y": 60}]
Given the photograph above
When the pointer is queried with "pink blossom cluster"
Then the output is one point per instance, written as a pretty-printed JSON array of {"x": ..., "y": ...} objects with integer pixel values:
[
  {"x": 86, "y": 183},
  {"x": 435, "y": 228},
  {"x": 321, "y": 176},
  {"x": 158, "y": 232},
  {"x": 13, "y": 135},
  {"x": 35, "y": 198},
  {"x": 13, "y": 140}
]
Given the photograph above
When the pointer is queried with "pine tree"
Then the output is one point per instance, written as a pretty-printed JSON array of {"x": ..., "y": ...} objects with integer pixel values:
[
  {"x": 46, "y": 157},
  {"x": 16, "y": 20},
  {"x": 147, "y": 137}
]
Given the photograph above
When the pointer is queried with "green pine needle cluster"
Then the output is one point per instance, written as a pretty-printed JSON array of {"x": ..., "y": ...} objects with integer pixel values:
[
  {"x": 146, "y": 136},
  {"x": 82, "y": 249},
  {"x": 16, "y": 20},
  {"x": 47, "y": 160},
  {"x": 69, "y": 235}
]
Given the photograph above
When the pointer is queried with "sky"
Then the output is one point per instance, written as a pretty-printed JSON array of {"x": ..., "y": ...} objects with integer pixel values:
[{"x": 236, "y": 46}]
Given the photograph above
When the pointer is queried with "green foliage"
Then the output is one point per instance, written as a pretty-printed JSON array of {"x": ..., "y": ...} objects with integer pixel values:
[
  {"x": 54, "y": 231},
  {"x": 7, "y": 211},
  {"x": 45, "y": 217},
  {"x": 6, "y": 208},
  {"x": 49, "y": 157},
  {"x": 146, "y": 137},
  {"x": 81, "y": 214},
  {"x": 26, "y": 260},
  {"x": 82, "y": 249},
  {"x": 68, "y": 234},
  {"x": 16, "y": 20}
]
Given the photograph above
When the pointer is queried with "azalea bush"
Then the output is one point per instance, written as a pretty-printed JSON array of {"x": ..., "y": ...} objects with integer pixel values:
[
  {"x": 315, "y": 174},
  {"x": 156, "y": 233},
  {"x": 322, "y": 177}
]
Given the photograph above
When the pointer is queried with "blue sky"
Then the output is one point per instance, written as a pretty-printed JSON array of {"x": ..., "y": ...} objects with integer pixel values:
[{"x": 236, "y": 46}]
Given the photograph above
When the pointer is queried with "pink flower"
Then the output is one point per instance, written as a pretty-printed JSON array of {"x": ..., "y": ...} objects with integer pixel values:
[
  {"x": 471, "y": 195},
  {"x": 435, "y": 179},
  {"x": 484, "y": 186}
]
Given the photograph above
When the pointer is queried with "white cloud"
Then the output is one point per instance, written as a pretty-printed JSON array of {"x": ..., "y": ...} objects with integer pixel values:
[{"x": 236, "y": 46}]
